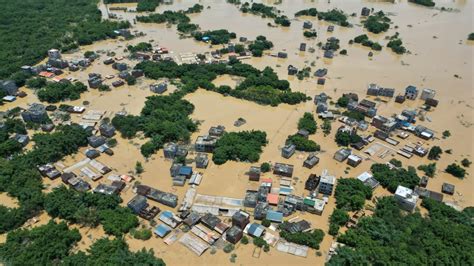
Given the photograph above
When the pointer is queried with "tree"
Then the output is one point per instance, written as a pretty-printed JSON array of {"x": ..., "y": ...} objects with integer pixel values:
[
  {"x": 244, "y": 240},
  {"x": 470, "y": 37},
  {"x": 303, "y": 144},
  {"x": 228, "y": 248},
  {"x": 344, "y": 138},
  {"x": 326, "y": 127},
  {"x": 266, "y": 222},
  {"x": 446, "y": 134},
  {"x": 142, "y": 234},
  {"x": 465, "y": 162},
  {"x": 138, "y": 167},
  {"x": 396, "y": 163},
  {"x": 337, "y": 219},
  {"x": 113, "y": 252},
  {"x": 434, "y": 153},
  {"x": 239, "y": 146},
  {"x": 43, "y": 245},
  {"x": 429, "y": 169},
  {"x": 59, "y": 91},
  {"x": 351, "y": 194},
  {"x": 392, "y": 178},
  {"x": 118, "y": 221},
  {"x": 307, "y": 122},
  {"x": 456, "y": 170},
  {"x": 311, "y": 239},
  {"x": 343, "y": 101},
  {"x": 265, "y": 167}
]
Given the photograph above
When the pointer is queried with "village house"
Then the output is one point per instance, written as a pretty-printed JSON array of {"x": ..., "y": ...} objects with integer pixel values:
[
  {"x": 250, "y": 200},
  {"x": 107, "y": 130},
  {"x": 283, "y": 169},
  {"x": 448, "y": 188},
  {"x": 254, "y": 173},
  {"x": 234, "y": 234},
  {"x": 307, "y": 25},
  {"x": 321, "y": 72},
  {"x": 282, "y": 55},
  {"x": 292, "y": 70},
  {"x": 137, "y": 204},
  {"x": 159, "y": 88},
  {"x": 274, "y": 216},
  {"x": 240, "y": 219},
  {"x": 311, "y": 161},
  {"x": 36, "y": 113},
  {"x": 365, "y": 12},
  {"x": 217, "y": 131},
  {"x": 400, "y": 98},
  {"x": 375, "y": 90},
  {"x": 255, "y": 230},
  {"x": 322, "y": 108},
  {"x": 406, "y": 198},
  {"x": 9, "y": 87},
  {"x": 260, "y": 211},
  {"x": 303, "y": 47},
  {"x": 312, "y": 182},
  {"x": 385, "y": 124},
  {"x": 288, "y": 150},
  {"x": 96, "y": 141},
  {"x": 354, "y": 160},
  {"x": 202, "y": 160},
  {"x": 342, "y": 154}
]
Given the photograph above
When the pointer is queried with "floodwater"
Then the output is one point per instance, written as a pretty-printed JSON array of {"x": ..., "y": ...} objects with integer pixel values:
[{"x": 438, "y": 51}]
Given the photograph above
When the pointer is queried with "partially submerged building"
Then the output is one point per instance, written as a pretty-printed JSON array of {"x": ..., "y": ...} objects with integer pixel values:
[{"x": 406, "y": 198}]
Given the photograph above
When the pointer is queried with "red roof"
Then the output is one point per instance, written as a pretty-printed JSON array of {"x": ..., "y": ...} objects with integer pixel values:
[
  {"x": 272, "y": 199},
  {"x": 266, "y": 180},
  {"x": 46, "y": 74}
]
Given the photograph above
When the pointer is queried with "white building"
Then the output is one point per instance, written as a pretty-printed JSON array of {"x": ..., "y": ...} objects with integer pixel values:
[
  {"x": 428, "y": 94},
  {"x": 406, "y": 198},
  {"x": 326, "y": 184}
]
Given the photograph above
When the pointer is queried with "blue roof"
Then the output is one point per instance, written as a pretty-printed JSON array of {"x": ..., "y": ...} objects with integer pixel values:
[
  {"x": 162, "y": 230},
  {"x": 274, "y": 216},
  {"x": 205, "y": 38},
  {"x": 256, "y": 229},
  {"x": 166, "y": 214},
  {"x": 185, "y": 170}
]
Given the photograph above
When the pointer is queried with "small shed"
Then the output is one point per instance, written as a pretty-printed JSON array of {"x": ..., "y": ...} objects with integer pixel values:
[{"x": 162, "y": 230}]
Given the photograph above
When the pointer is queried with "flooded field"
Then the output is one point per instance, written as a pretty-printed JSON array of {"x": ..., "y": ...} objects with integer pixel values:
[{"x": 440, "y": 58}]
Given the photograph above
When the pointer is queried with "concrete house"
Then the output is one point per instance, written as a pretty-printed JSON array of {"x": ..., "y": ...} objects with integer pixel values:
[
  {"x": 292, "y": 70},
  {"x": 321, "y": 98},
  {"x": 205, "y": 143},
  {"x": 411, "y": 92},
  {"x": 307, "y": 25},
  {"x": 406, "y": 198},
  {"x": 254, "y": 173},
  {"x": 427, "y": 94},
  {"x": 326, "y": 184},
  {"x": 311, "y": 161},
  {"x": 365, "y": 12},
  {"x": 240, "y": 219}
]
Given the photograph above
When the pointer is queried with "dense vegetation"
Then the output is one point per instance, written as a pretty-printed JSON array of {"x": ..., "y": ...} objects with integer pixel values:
[
  {"x": 334, "y": 15},
  {"x": 266, "y": 12},
  {"x": 175, "y": 17},
  {"x": 311, "y": 239},
  {"x": 391, "y": 237},
  {"x": 428, "y": 3},
  {"x": 140, "y": 47},
  {"x": 337, "y": 219},
  {"x": 90, "y": 209},
  {"x": 39, "y": 246},
  {"x": 239, "y": 146},
  {"x": 351, "y": 194},
  {"x": 8, "y": 145},
  {"x": 32, "y": 27},
  {"x": 163, "y": 119},
  {"x": 392, "y": 178},
  {"x": 303, "y": 144},
  {"x": 215, "y": 36},
  {"x": 354, "y": 115},
  {"x": 313, "y": 12},
  {"x": 377, "y": 22},
  {"x": 55, "y": 92},
  {"x": 113, "y": 252},
  {"x": 310, "y": 34},
  {"x": 20, "y": 179},
  {"x": 456, "y": 170},
  {"x": 344, "y": 138},
  {"x": 364, "y": 40},
  {"x": 262, "y": 87},
  {"x": 396, "y": 44},
  {"x": 259, "y": 45},
  {"x": 429, "y": 169},
  {"x": 147, "y": 5},
  {"x": 307, "y": 122},
  {"x": 470, "y": 37},
  {"x": 434, "y": 153}
]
